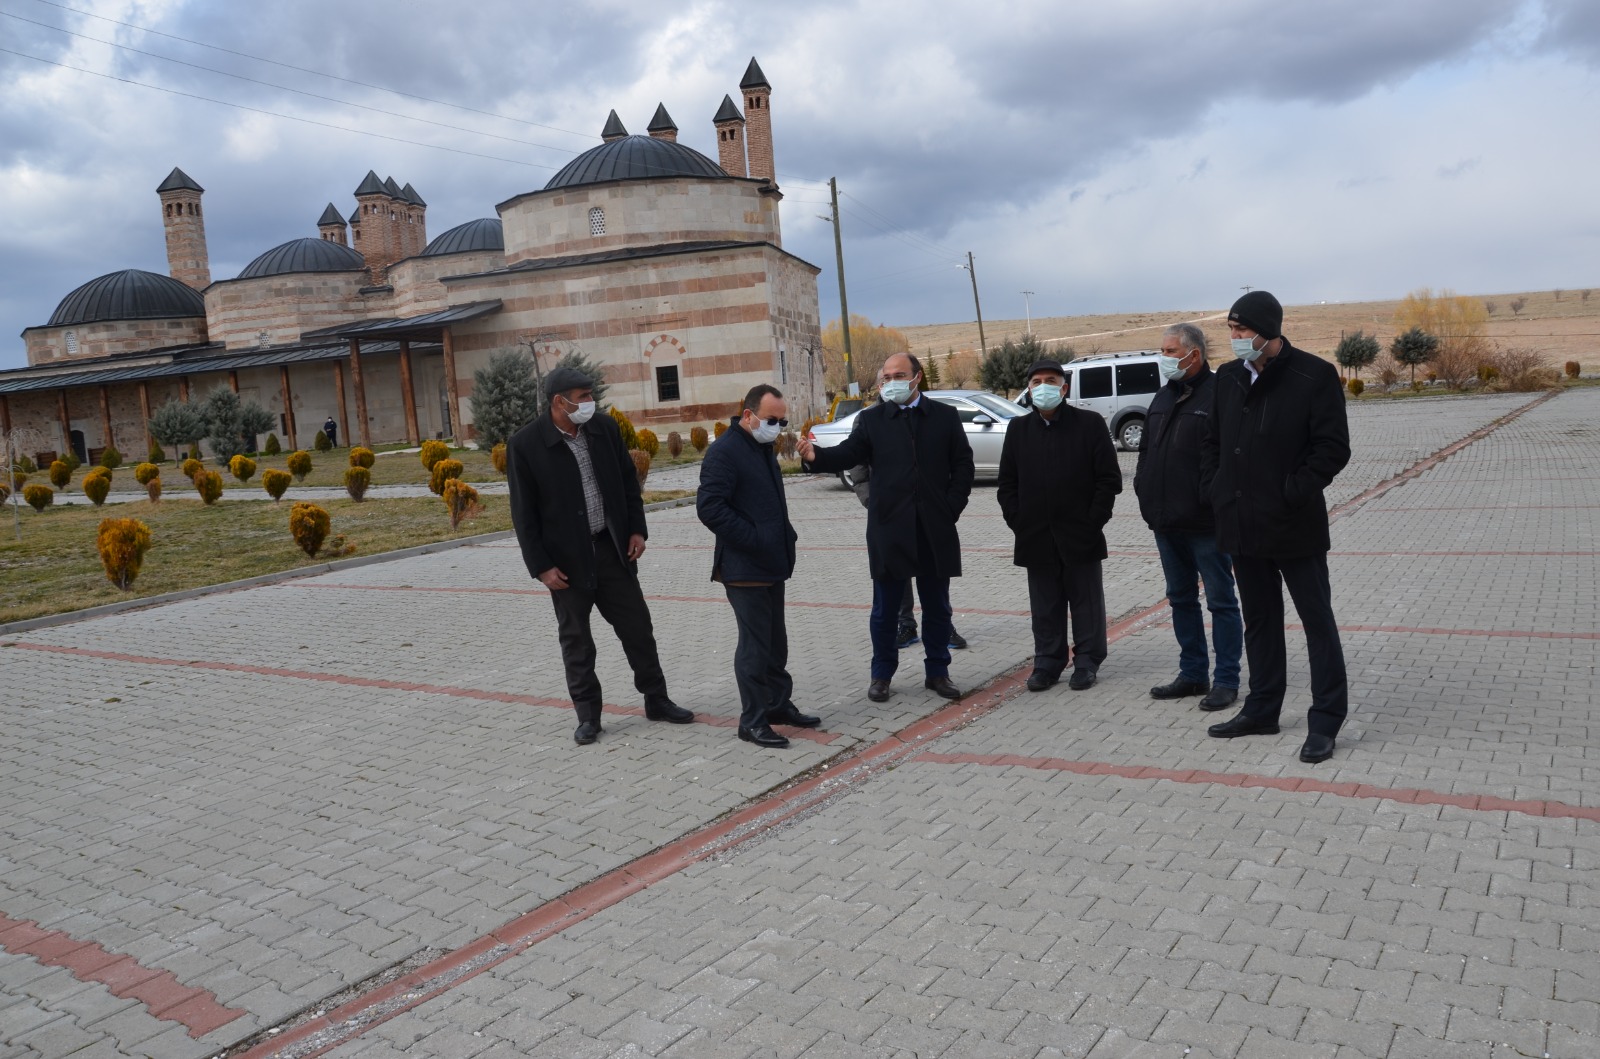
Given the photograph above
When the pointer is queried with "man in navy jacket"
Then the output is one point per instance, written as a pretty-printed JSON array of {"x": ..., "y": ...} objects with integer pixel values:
[{"x": 741, "y": 500}]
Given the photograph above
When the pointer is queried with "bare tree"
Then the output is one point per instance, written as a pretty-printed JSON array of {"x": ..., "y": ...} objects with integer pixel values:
[
  {"x": 1517, "y": 305},
  {"x": 1489, "y": 307},
  {"x": 14, "y": 443}
]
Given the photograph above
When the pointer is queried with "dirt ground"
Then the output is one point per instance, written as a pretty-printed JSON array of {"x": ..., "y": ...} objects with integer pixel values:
[{"x": 1563, "y": 325}]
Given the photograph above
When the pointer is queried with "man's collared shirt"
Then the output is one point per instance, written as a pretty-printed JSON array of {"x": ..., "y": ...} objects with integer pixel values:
[{"x": 578, "y": 442}]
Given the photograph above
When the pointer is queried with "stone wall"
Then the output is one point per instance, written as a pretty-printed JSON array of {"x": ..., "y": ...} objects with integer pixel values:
[
  {"x": 239, "y": 311},
  {"x": 103, "y": 338},
  {"x": 417, "y": 289}
]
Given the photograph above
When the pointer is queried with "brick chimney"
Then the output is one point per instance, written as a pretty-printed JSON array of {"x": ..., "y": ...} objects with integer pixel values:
[
  {"x": 661, "y": 126},
  {"x": 757, "y": 100},
  {"x": 730, "y": 138},
  {"x": 185, "y": 226},
  {"x": 374, "y": 235},
  {"x": 419, "y": 216},
  {"x": 331, "y": 225}
]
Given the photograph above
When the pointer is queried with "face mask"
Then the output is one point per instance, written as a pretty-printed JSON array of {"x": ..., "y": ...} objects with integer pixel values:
[
  {"x": 582, "y": 413},
  {"x": 764, "y": 433},
  {"x": 1245, "y": 348},
  {"x": 1170, "y": 367},
  {"x": 1046, "y": 397},
  {"x": 896, "y": 390}
]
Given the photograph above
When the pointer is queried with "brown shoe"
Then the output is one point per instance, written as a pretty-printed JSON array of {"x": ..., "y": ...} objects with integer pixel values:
[
  {"x": 878, "y": 691},
  {"x": 942, "y": 686}
]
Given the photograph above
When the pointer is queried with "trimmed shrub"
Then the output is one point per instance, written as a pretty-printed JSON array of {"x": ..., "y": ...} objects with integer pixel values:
[
  {"x": 648, "y": 442},
  {"x": 39, "y": 497},
  {"x": 273, "y": 446},
  {"x": 361, "y": 456},
  {"x": 308, "y": 525},
  {"x": 157, "y": 454},
  {"x": 443, "y": 471},
  {"x": 95, "y": 487},
  {"x": 24, "y": 464},
  {"x": 153, "y": 487},
  {"x": 432, "y": 452},
  {"x": 111, "y": 458},
  {"x": 356, "y": 480},
  {"x": 462, "y": 502},
  {"x": 698, "y": 438},
  {"x": 242, "y": 468},
  {"x": 497, "y": 456},
  {"x": 71, "y": 460},
  {"x": 60, "y": 474},
  {"x": 1572, "y": 367},
  {"x": 719, "y": 428},
  {"x": 191, "y": 467},
  {"x": 1355, "y": 386},
  {"x": 630, "y": 437},
  {"x": 1488, "y": 373},
  {"x": 142, "y": 473},
  {"x": 641, "y": 463},
  {"x": 299, "y": 464},
  {"x": 321, "y": 442},
  {"x": 674, "y": 444},
  {"x": 209, "y": 485},
  {"x": 122, "y": 543},
  {"x": 276, "y": 483}
]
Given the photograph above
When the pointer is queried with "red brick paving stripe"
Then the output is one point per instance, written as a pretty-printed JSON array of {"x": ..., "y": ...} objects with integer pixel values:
[
  {"x": 196, "y": 1010},
  {"x": 812, "y": 735},
  {"x": 1514, "y": 634},
  {"x": 1295, "y": 784},
  {"x": 1491, "y": 507}
]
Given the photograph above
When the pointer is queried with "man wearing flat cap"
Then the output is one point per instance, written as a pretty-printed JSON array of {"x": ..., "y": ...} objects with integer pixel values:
[
  {"x": 1277, "y": 436},
  {"x": 1059, "y": 478},
  {"x": 579, "y": 518}
]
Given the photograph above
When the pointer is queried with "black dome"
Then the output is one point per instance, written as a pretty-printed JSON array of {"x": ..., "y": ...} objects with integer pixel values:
[
  {"x": 131, "y": 294},
  {"x": 635, "y": 158},
  {"x": 485, "y": 233},
  {"x": 304, "y": 255}
]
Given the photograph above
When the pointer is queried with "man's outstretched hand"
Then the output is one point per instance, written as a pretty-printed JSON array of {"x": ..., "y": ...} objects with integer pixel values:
[{"x": 807, "y": 449}]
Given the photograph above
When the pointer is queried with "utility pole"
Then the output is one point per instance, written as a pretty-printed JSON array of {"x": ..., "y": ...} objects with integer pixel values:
[
  {"x": 1027, "y": 308},
  {"x": 844, "y": 303},
  {"x": 982, "y": 342}
]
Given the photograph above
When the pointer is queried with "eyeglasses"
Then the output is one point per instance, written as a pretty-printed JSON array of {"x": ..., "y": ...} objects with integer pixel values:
[
  {"x": 774, "y": 421},
  {"x": 899, "y": 376}
]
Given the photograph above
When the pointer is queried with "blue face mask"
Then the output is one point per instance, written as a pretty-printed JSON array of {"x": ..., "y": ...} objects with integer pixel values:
[
  {"x": 1046, "y": 397},
  {"x": 1245, "y": 348},
  {"x": 897, "y": 391},
  {"x": 1170, "y": 367}
]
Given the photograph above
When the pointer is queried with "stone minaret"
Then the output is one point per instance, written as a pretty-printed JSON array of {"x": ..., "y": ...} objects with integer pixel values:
[
  {"x": 757, "y": 100},
  {"x": 419, "y": 217},
  {"x": 613, "y": 130},
  {"x": 331, "y": 226},
  {"x": 185, "y": 226},
  {"x": 662, "y": 126},
  {"x": 375, "y": 236},
  {"x": 730, "y": 138}
]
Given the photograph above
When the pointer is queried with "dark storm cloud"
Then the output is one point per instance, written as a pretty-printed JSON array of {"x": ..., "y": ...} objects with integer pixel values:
[{"x": 1573, "y": 27}]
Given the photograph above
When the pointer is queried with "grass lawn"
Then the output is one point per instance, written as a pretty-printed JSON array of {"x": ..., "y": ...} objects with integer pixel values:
[{"x": 55, "y": 567}]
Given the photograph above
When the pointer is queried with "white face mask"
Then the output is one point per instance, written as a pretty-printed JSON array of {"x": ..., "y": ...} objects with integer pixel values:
[
  {"x": 1171, "y": 367},
  {"x": 582, "y": 413},
  {"x": 1046, "y": 396},
  {"x": 897, "y": 391},
  {"x": 1245, "y": 348},
  {"x": 765, "y": 433}
]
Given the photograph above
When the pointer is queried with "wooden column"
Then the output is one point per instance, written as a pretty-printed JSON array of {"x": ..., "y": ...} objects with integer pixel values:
[
  {"x": 361, "y": 392},
  {"x": 183, "y": 387},
  {"x": 144, "y": 410},
  {"x": 233, "y": 381},
  {"x": 407, "y": 395},
  {"x": 338, "y": 388},
  {"x": 288, "y": 405},
  {"x": 450, "y": 388},
  {"x": 105, "y": 416},
  {"x": 5, "y": 414},
  {"x": 66, "y": 421}
]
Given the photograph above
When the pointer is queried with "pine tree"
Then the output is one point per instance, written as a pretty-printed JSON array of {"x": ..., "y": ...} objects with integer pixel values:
[
  {"x": 1414, "y": 347},
  {"x": 930, "y": 369},
  {"x": 1356, "y": 351},
  {"x": 505, "y": 395},
  {"x": 177, "y": 423}
]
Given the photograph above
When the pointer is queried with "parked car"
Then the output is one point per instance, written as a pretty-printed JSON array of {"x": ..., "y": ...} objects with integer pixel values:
[
  {"x": 984, "y": 416},
  {"x": 1119, "y": 386}
]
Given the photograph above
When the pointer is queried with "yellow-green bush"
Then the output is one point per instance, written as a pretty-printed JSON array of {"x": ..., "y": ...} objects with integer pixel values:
[
  {"x": 356, "y": 480},
  {"x": 209, "y": 485},
  {"x": 497, "y": 456},
  {"x": 122, "y": 543},
  {"x": 641, "y": 463},
  {"x": 461, "y": 500},
  {"x": 698, "y": 438},
  {"x": 308, "y": 525},
  {"x": 191, "y": 467},
  {"x": 39, "y": 497},
  {"x": 674, "y": 444},
  {"x": 276, "y": 483},
  {"x": 361, "y": 456},
  {"x": 1355, "y": 386},
  {"x": 321, "y": 442},
  {"x": 299, "y": 464},
  {"x": 443, "y": 471},
  {"x": 719, "y": 427},
  {"x": 648, "y": 442},
  {"x": 630, "y": 437},
  {"x": 60, "y": 473},
  {"x": 5, "y": 492},
  {"x": 18, "y": 479},
  {"x": 242, "y": 467},
  {"x": 111, "y": 458},
  {"x": 273, "y": 446},
  {"x": 95, "y": 487},
  {"x": 153, "y": 487},
  {"x": 144, "y": 472},
  {"x": 157, "y": 453},
  {"x": 432, "y": 452}
]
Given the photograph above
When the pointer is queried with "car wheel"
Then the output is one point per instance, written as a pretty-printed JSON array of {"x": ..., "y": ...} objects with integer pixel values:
[
  {"x": 845, "y": 477},
  {"x": 1131, "y": 433}
]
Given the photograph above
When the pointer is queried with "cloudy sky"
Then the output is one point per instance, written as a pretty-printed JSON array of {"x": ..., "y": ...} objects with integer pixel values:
[{"x": 1141, "y": 155}]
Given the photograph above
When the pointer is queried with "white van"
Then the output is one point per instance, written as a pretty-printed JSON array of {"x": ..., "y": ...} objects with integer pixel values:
[{"x": 1119, "y": 386}]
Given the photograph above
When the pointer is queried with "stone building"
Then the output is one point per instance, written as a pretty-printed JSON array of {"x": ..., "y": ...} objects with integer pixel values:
[{"x": 661, "y": 265}]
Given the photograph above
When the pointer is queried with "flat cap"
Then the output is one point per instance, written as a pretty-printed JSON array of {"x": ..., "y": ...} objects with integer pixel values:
[
  {"x": 1046, "y": 365},
  {"x": 563, "y": 379}
]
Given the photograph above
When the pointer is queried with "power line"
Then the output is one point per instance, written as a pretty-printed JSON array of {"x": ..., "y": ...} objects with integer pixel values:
[{"x": 887, "y": 220}]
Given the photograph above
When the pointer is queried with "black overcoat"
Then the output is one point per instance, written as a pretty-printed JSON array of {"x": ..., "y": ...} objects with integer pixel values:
[
  {"x": 1167, "y": 477},
  {"x": 1058, "y": 482},
  {"x": 921, "y": 477},
  {"x": 547, "y": 506},
  {"x": 741, "y": 500},
  {"x": 1270, "y": 449}
]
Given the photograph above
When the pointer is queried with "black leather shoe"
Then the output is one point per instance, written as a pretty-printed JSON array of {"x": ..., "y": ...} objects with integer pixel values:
[
  {"x": 1082, "y": 678},
  {"x": 1242, "y": 725},
  {"x": 668, "y": 711},
  {"x": 957, "y": 641},
  {"x": 763, "y": 735},
  {"x": 878, "y": 691},
  {"x": 1219, "y": 698},
  {"x": 793, "y": 718},
  {"x": 1179, "y": 688},
  {"x": 943, "y": 687},
  {"x": 588, "y": 732},
  {"x": 1317, "y": 748},
  {"x": 1039, "y": 680},
  {"x": 906, "y": 637}
]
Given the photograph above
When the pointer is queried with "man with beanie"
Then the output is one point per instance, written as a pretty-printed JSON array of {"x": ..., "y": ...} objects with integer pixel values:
[
  {"x": 1167, "y": 482},
  {"x": 1276, "y": 438},
  {"x": 579, "y": 519},
  {"x": 1059, "y": 477}
]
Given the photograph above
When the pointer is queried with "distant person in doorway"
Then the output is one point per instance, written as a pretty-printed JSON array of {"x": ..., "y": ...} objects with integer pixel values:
[{"x": 331, "y": 429}]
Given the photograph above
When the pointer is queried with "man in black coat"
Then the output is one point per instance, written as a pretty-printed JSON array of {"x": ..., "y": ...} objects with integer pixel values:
[
  {"x": 921, "y": 478},
  {"x": 579, "y": 517},
  {"x": 1277, "y": 437},
  {"x": 1059, "y": 478},
  {"x": 1167, "y": 482},
  {"x": 741, "y": 500}
]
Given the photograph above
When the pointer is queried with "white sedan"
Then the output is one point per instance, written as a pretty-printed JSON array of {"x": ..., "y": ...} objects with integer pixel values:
[{"x": 984, "y": 416}]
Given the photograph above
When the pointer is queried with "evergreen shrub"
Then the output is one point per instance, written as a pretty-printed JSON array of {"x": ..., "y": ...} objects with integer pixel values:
[
  {"x": 432, "y": 452},
  {"x": 209, "y": 485},
  {"x": 361, "y": 456},
  {"x": 242, "y": 468},
  {"x": 273, "y": 446},
  {"x": 442, "y": 472},
  {"x": 122, "y": 543},
  {"x": 299, "y": 464},
  {"x": 630, "y": 437},
  {"x": 497, "y": 456},
  {"x": 648, "y": 442},
  {"x": 674, "y": 444},
  {"x": 698, "y": 438},
  {"x": 95, "y": 487},
  {"x": 39, "y": 497},
  {"x": 276, "y": 483},
  {"x": 462, "y": 502},
  {"x": 111, "y": 458},
  {"x": 356, "y": 480},
  {"x": 60, "y": 474},
  {"x": 321, "y": 442},
  {"x": 1355, "y": 386},
  {"x": 308, "y": 525},
  {"x": 191, "y": 467},
  {"x": 143, "y": 472},
  {"x": 641, "y": 463}
]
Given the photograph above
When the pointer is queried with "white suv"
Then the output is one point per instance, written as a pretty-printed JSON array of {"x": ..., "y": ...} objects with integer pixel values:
[{"x": 1119, "y": 386}]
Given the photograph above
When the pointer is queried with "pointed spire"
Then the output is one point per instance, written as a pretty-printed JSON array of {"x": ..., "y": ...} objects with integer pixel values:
[
  {"x": 331, "y": 215},
  {"x": 727, "y": 112},
  {"x": 614, "y": 129},
  {"x": 391, "y": 189},
  {"x": 355, "y": 216},
  {"x": 662, "y": 121},
  {"x": 409, "y": 193},
  {"x": 753, "y": 77},
  {"x": 370, "y": 185},
  {"x": 178, "y": 180}
]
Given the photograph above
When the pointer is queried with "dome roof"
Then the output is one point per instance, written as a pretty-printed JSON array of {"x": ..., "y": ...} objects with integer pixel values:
[
  {"x": 635, "y": 158},
  {"x": 304, "y": 255},
  {"x": 485, "y": 233},
  {"x": 131, "y": 294}
]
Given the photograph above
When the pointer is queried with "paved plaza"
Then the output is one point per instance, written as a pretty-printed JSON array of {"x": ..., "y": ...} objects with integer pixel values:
[{"x": 343, "y": 815}]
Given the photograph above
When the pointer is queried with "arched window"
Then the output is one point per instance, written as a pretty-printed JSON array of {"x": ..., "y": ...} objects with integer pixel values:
[{"x": 597, "y": 221}]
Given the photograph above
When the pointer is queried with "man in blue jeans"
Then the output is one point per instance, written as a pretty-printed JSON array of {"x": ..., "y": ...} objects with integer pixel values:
[{"x": 1167, "y": 482}]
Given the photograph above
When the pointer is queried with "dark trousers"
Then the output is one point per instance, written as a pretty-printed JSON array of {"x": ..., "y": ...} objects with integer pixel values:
[
  {"x": 886, "y": 600},
  {"x": 1261, "y": 583},
  {"x": 1055, "y": 594},
  {"x": 760, "y": 662},
  {"x": 621, "y": 603},
  {"x": 1188, "y": 559}
]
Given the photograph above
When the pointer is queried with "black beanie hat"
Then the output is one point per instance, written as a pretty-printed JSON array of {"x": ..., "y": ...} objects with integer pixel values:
[{"x": 1260, "y": 312}]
